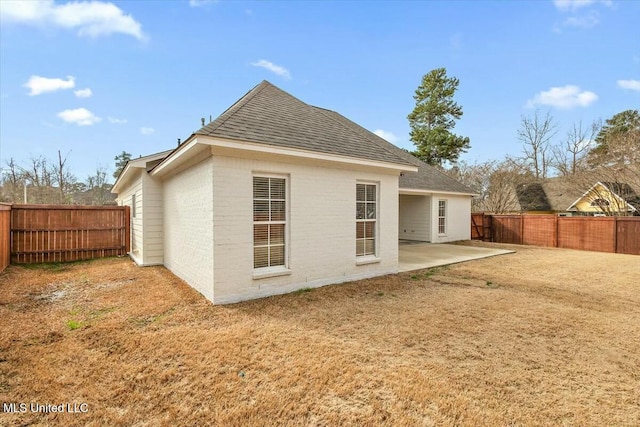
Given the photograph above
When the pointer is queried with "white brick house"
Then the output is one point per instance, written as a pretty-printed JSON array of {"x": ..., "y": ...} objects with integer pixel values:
[{"x": 277, "y": 195}]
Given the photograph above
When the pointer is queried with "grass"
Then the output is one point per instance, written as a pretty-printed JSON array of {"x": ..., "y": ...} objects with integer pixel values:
[
  {"x": 50, "y": 266},
  {"x": 427, "y": 273},
  {"x": 540, "y": 337},
  {"x": 58, "y": 266},
  {"x": 73, "y": 324}
]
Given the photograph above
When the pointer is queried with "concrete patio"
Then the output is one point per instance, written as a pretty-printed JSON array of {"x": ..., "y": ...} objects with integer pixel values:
[{"x": 419, "y": 255}]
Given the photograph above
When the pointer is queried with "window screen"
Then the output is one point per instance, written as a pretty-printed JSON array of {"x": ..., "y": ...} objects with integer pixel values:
[{"x": 269, "y": 221}]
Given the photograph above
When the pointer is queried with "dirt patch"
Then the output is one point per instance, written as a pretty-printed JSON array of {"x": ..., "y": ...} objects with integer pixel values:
[{"x": 539, "y": 337}]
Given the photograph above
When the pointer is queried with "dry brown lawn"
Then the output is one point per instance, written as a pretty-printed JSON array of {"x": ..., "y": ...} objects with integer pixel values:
[{"x": 540, "y": 337}]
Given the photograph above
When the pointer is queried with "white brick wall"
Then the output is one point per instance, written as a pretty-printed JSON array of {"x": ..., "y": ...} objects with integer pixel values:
[
  {"x": 188, "y": 226},
  {"x": 200, "y": 220},
  {"x": 415, "y": 218},
  {"x": 321, "y": 243}
]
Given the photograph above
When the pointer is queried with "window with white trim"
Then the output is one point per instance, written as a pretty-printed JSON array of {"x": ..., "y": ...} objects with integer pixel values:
[
  {"x": 269, "y": 221},
  {"x": 442, "y": 216},
  {"x": 366, "y": 214}
]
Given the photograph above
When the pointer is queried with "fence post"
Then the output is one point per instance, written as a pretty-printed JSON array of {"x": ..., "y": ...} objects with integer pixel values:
[
  {"x": 5, "y": 235},
  {"x": 555, "y": 234},
  {"x": 615, "y": 234},
  {"x": 490, "y": 228},
  {"x": 521, "y": 229},
  {"x": 484, "y": 227}
]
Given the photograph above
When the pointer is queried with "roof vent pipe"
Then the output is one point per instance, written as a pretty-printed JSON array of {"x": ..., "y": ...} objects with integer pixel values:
[
  {"x": 202, "y": 120},
  {"x": 178, "y": 142}
]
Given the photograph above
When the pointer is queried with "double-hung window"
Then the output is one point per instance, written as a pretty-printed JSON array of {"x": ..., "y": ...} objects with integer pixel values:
[
  {"x": 442, "y": 216},
  {"x": 366, "y": 215},
  {"x": 269, "y": 221}
]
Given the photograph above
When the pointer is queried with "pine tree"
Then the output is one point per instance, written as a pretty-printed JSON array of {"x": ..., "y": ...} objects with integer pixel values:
[{"x": 434, "y": 116}]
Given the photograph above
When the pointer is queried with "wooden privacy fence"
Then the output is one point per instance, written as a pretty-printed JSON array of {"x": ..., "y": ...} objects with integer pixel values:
[
  {"x": 57, "y": 233},
  {"x": 603, "y": 234}
]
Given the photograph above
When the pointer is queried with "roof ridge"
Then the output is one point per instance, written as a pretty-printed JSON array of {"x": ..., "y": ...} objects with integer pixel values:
[{"x": 236, "y": 106}]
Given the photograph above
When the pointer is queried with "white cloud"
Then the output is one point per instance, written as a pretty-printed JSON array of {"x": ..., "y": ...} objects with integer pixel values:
[
  {"x": 564, "y": 97},
  {"x": 39, "y": 85},
  {"x": 79, "y": 116},
  {"x": 83, "y": 93},
  {"x": 199, "y": 3},
  {"x": 386, "y": 135},
  {"x": 22, "y": 11},
  {"x": 147, "y": 130},
  {"x": 587, "y": 21},
  {"x": 629, "y": 84},
  {"x": 116, "y": 121},
  {"x": 276, "y": 69},
  {"x": 90, "y": 18},
  {"x": 569, "y": 5}
]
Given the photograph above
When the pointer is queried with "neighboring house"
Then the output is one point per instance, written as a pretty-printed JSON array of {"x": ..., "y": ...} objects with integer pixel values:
[
  {"x": 566, "y": 197},
  {"x": 277, "y": 195},
  {"x": 610, "y": 198},
  {"x": 99, "y": 196}
]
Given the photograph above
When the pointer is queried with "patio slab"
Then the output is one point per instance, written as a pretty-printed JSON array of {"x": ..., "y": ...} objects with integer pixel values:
[{"x": 420, "y": 255}]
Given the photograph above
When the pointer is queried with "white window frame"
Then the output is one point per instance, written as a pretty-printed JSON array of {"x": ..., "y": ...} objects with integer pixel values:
[
  {"x": 367, "y": 258},
  {"x": 134, "y": 210},
  {"x": 442, "y": 219},
  {"x": 271, "y": 270}
]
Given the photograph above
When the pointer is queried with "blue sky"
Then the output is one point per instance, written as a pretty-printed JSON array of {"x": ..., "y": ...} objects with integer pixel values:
[{"x": 96, "y": 78}]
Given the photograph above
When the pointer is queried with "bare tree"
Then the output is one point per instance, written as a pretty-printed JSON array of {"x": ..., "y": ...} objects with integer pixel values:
[
  {"x": 502, "y": 196},
  {"x": 535, "y": 133},
  {"x": 97, "y": 186},
  {"x": 13, "y": 182},
  {"x": 475, "y": 176},
  {"x": 64, "y": 179},
  {"x": 494, "y": 182},
  {"x": 571, "y": 154},
  {"x": 40, "y": 180}
]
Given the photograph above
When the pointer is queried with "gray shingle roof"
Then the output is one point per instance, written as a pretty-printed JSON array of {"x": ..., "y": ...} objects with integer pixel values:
[
  {"x": 561, "y": 192},
  {"x": 426, "y": 178},
  {"x": 532, "y": 197},
  {"x": 552, "y": 194},
  {"x": 268, "y": 115}
]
